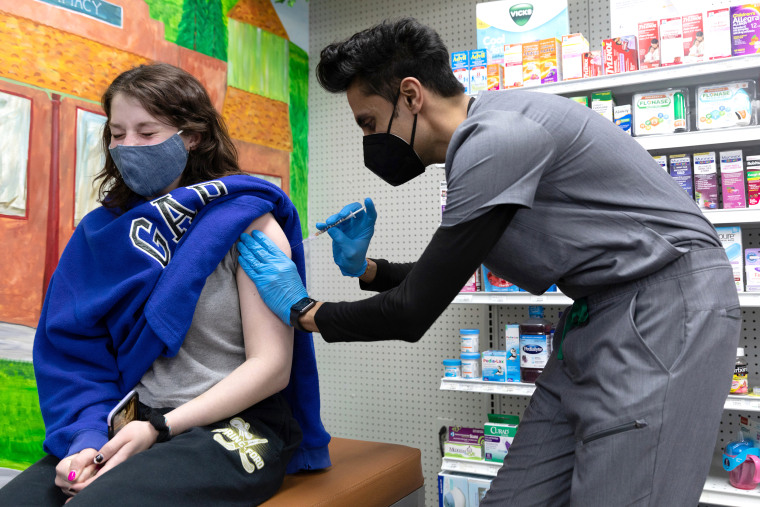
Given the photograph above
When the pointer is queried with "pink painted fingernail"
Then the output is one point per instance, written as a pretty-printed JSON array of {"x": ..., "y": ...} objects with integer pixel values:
[{"x": 72, "y": 475}]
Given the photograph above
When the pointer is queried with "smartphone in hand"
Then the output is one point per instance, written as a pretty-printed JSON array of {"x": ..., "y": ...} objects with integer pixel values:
[{"x": 123, "y": 413}]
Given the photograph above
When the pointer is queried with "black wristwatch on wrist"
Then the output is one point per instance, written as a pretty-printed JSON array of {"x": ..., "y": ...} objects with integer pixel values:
[
  {"x": 158, "y": 421},
  {"x": 298, "y": 309}
]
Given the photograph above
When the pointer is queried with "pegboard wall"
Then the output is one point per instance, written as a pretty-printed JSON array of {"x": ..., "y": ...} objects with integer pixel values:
[{"x": 389, "y": 391}]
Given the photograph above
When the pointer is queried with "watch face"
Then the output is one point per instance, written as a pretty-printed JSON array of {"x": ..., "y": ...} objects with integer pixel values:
[{"x": 303, "y": 304}]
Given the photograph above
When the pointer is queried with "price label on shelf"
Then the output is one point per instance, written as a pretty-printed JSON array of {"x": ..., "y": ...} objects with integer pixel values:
[
  {"x": 498, "y": 300},
  {"x": 452, "y": 465},
  {"x": 487, "y": 388},
  {"x": 538, "y": 299},
  {"x": 465, "y": 387},
  {"x": 463, "y": 298}
]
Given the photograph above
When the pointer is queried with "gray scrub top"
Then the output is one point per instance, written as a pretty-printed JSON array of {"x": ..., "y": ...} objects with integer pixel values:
[{"x": 596, "y": 209}]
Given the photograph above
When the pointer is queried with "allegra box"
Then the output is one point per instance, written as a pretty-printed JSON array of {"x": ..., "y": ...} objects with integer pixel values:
[
  {"x": 649, "y": 44},
  {"x": 619, "y": 55},
  {"x": 745, "y": 29}
]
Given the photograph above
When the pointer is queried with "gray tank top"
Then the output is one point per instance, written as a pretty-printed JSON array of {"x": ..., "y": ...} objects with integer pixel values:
[{"x": 212, "y": 348}]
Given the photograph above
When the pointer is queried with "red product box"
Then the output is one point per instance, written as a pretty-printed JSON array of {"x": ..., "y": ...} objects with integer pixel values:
[
  {"x": 693, "y": 38},
  {"x": 619, "y": 55},
  {"x": 592, "y": 64},
  {"x": 649, "y": 45}
]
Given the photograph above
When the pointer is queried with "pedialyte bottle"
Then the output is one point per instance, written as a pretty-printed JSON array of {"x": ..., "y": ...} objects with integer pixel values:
[
  {"x": 740, "y": 382},
  {"x": 534, "y": 344}
]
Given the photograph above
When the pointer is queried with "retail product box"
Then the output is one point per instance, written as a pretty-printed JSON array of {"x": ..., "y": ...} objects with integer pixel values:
[
  {"x": 752, "y": 269},
  {"x": 663, "y": 161},
  {"x": 706, "y": 180},
  {"x": 649, "y": 44},
  {"x": 478, "y": 489},
  {"x": 550, "y": 56},
  {"x": 717, "y": 34},
  {"x": 583, "y": 99},
  {"x": 499, "y": 433},
  {"x": 671, "y": 42},
  {"x": 493, "y": 283},
  {"x": 731, "y": 237},
  {"x": 495, "y": 73},
  {"x": 473, "y": 283},
  {"x": 573, "y": 47},
  {"x": 453, "y": 489},
  {"x": 531, "y": 64},
  {"x": 725, "y": 105},
  {"x": 478, "y": 71},
  {"x": 592, "y": 64},
  {"x": 693, "y": 38},
  {"x": 660, "y": 112},
  {"x": 732, "y": 179},
  {"x": 463, "y": 451},
  {"x": 442, "y": 193},
  {"x": 494, "y": 365},
  {"x": 620, "y": 55},
  {"x": 745, "y": 29},
  {"x": 513, "y": 65},
  {"x": 750, "y": 430},
  {"x": 753, "y": 181},
  {"x": 464, "y": 435},
  {"x": 512, "y": 347},
  {"x": 460, "y": 64},
  {"x": 604, "y": 104},
  {"x": 622, "y": 115},
  {"x": 680, "y": 170}
]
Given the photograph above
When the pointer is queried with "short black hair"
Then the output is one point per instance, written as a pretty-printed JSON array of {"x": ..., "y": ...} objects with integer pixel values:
[{"x": 381, "y": 56}]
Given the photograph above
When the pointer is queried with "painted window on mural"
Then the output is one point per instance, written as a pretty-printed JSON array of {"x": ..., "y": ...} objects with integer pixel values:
[
  {"x": 275, "y": 180},
  {"x": 257, "y": 61},
  {"x": 90, "y": 160},
  {"x": 15, "y": 123}
]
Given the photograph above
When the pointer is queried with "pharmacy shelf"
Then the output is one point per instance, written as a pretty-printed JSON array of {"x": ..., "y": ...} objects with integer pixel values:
[
  {"x": 739, "y": 67},
  {"x": 733, "y": 216},
  {"x": 468, "y": 466},
  {"x": 749, "y": 299},
  {"x": 742, "y": 403},
  {"x": 485, "y": 386},
  {"x": 511, "y": 298},
  {"x": 705, "y": 140},
  {"x": 718, "y": 491}
]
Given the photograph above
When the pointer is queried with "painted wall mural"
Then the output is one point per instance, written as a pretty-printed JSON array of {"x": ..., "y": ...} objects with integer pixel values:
[{"x": 58, "y": 57}]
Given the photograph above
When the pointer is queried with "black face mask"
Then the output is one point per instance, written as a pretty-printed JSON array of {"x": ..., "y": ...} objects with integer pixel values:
[{"x": 390, "y": 157}]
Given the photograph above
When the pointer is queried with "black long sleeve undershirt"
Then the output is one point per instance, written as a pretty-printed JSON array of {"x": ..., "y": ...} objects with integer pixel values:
[{"x": 415, "y": 294}]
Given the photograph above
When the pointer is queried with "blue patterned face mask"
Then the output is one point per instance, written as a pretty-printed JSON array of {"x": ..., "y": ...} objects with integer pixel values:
[{"x": 149, "y": 169}]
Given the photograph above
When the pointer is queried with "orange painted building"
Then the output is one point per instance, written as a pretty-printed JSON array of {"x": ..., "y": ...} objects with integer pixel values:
[{"x": 61, "y": 62}]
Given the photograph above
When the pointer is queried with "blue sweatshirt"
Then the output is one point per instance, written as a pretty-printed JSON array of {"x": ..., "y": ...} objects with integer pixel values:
[{"x": 124, "y": 293}]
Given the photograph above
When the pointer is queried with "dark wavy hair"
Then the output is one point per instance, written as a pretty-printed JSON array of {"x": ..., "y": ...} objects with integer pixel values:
[
  {"x": 380, "y": 57},
  {"x": 177, "y": 98}
]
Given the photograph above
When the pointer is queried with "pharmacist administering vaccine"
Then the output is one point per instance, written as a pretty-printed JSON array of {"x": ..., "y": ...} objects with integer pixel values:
[{"x": 541, "y": 190}]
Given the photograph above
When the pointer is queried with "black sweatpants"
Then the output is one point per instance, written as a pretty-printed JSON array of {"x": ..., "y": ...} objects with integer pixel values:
[{"x": 237, "y": 461}]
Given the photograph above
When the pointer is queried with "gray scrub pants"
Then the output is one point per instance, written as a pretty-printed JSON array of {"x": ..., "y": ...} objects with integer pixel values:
[{"x": 630, "y": 415}]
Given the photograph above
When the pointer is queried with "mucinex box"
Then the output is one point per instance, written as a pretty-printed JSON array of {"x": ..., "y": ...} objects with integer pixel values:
[
  {"x": 725, "y": 105},
  {"x": 731, "y": 237},
  {"x": 680, "y": 170},
  {"x": 460, "y": 65},
  {"x": 706, "y": 180},
  {"x": 753, "y": 181},
  {"x": 732, "y": 179}
]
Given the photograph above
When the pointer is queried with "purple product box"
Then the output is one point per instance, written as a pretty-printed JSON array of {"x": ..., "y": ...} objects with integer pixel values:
[
  {"x": 706, "y": 180},
  {"x": 745, "y": 29},
  {"x": 680, "y": 170},
  {"x": 464, "y": 435},
  {"x": 732, "y": 179}
]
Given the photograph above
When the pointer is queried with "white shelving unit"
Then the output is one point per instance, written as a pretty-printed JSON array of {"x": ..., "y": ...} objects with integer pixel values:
[{"x": 717, "y": 489}]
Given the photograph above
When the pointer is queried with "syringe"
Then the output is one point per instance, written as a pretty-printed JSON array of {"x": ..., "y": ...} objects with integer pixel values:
[{"x": 322, "y": 231}]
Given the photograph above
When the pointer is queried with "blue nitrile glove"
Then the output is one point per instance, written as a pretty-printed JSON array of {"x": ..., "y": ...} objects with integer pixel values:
[
  {"x": 275, "y": 275},
  {"x": 351, "y": 238}
]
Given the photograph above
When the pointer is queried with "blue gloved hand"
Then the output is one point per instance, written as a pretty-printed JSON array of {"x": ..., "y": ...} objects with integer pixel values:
[
  {"x": 275, "y": 275},
  {"x": 351, "y": 238}
]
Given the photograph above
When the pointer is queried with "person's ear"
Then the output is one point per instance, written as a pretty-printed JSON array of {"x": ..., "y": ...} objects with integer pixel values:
[
  {"x": 412, "y": 94},
  {"x": 193, "y": 139}
]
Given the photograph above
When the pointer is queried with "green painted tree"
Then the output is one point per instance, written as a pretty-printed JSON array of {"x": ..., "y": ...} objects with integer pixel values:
[{"x": 203, "y": 28}]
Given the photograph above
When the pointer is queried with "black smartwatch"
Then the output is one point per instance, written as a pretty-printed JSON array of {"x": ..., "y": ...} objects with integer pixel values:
[{"x": 298, "y": 309}]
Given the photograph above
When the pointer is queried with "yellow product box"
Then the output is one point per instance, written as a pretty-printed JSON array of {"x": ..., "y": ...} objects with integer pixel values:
[
  {"x": 573, "y": 48},
  {"x": 513, "y": 65},
  {"x": 550, "y": 56},
  {"x": 531, "y": 64},
  {"x": 495, "y": 73}
]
